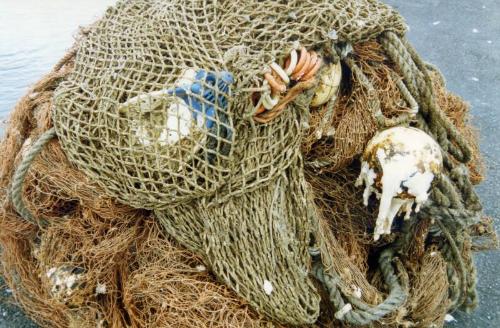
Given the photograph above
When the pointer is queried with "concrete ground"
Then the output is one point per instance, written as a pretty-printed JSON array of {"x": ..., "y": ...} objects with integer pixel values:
[
  {"x": 10, "y": 315},
  {"x": 461, "y": 38}
]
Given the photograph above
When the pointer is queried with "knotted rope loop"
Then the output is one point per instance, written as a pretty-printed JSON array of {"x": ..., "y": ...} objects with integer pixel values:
[{"x": 355, "y": 311}]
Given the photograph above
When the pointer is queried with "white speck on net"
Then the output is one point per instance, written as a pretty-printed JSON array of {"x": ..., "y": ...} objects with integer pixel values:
[
  {"x": 51, "y": 272},
  {"x": 333, "y": 35},
  {"x": 360, "y": 23},
  {"x": 436, "y": 23},
  {"x": 268, "y": 287},
  {"x": 292, "y": 15},
  {"x": 449, "y": 318},
  {"x": 489, "y": 42},
  {"x": 475, "y": 79},
  {"x": 357, "y": 292},
  {"x": 343, "y": 311},
  {"x": 100, "y": 289},
  {"x": 71, "y": 281},
  {"x": 475, "y": 30},
  {"x": 201, "y": 268}
]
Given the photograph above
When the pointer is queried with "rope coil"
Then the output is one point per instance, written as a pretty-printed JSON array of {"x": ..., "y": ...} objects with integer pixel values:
[{"x": 361, "y": 313}]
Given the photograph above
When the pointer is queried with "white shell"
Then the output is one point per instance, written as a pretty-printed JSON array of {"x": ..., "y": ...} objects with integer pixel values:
[
  {"x": 64, "y": 281},
  {"x": 399, "y": 165},
  {"x": 329, "y": 85},
  {"x": 159, "y": 118},
  {"x": 268, "y": 287},
  {"x": 178, "y": 125}
]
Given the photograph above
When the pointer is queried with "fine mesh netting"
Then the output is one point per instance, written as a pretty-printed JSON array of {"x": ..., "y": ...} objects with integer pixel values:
[{"x": 164, "y": 202}]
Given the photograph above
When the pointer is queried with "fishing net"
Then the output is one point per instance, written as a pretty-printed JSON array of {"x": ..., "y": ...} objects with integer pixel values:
[
  {"x": 163, "y": 189},
  {"x": 153, "y": 116},
  {"x": 99, "y": 263},
  {"x": 155, "y": 151}
]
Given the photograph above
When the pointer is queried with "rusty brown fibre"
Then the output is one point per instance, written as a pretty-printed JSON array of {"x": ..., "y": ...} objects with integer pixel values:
[{"x": 101, "y": 263}]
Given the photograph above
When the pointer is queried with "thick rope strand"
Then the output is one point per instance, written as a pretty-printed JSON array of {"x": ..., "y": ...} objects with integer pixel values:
[
  {"x": 419, "y": 83},
  {"x": 20, "y": 175},
  {"x": 364, "y": 313}
]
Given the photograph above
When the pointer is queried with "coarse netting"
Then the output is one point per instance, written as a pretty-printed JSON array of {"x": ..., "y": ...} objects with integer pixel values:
[
  {"x": 153, "y": 112},
  {"x": 155, "y": 150},
  {"x": 122, "y": 269},
  {"x": 153, "y": 115}
]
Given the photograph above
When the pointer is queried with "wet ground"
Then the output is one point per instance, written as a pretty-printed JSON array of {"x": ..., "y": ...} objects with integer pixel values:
[
  {"x": 461, "y": 37},
  {"x": 10, "y": 315}
]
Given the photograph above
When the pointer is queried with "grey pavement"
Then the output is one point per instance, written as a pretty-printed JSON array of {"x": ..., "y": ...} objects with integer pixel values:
[
  {"x": 10, "y": 315},
  {"x": 462, "y": 38}
]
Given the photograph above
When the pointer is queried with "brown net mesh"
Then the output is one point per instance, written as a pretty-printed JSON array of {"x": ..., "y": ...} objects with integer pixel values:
[
  {"x": 428, "y": 303},
  {"x": 147, "y": 115}
]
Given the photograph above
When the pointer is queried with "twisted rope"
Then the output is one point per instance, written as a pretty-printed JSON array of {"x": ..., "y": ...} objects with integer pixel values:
[
  {"x": 472, "y": 299},
  {"x": 454, "y": 200},
  {"x": 458, "y": 296},
  {"x": 455, "y": 204},
  {"x": 380, "y": 118},
  {"x": 418, "y": 80},
  {"x": 355, "y": 311},
  {"x": 16, "y": 193}
]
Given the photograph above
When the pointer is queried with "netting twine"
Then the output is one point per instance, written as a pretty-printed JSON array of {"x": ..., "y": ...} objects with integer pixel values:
[{"x": 235, "y": 192}]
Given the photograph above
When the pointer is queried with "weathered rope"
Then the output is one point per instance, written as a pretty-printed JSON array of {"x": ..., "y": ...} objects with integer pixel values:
[
  {"x": 414, "y": 107},
  {"x": 455, "y": 205},
  {"x": 319, "y": 163},
  {"x": 419, "y": 83},
  {"x": 374, "y": 101},
  {"x": 355, "y": 311},
  {"x": 472, "y": 299},
  {"x": 458, "y": 296},
  {"x": 20, "y": 174},
  {"x": 455, "y": 201},
  {"x": 460, "y": 176}
]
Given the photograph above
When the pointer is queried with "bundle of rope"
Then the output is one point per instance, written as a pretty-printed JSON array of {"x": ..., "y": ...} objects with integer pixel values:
[{"x": 181, "y": 112}]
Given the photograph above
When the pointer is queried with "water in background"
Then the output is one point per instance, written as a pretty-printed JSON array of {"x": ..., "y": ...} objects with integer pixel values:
[{"x": 34, "y": 35}]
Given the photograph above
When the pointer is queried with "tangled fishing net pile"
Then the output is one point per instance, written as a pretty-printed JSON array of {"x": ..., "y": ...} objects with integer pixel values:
[{"x": 176, "y": 168}]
